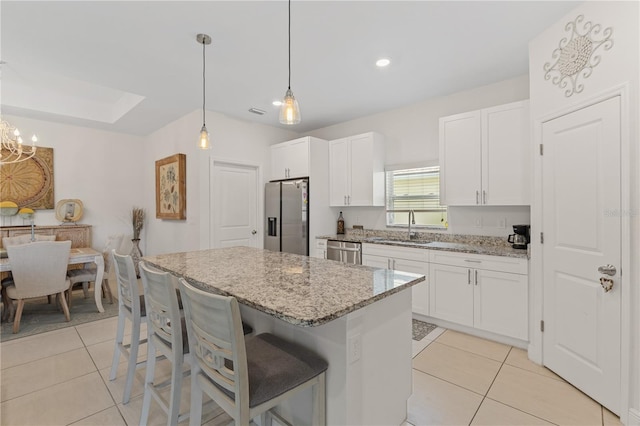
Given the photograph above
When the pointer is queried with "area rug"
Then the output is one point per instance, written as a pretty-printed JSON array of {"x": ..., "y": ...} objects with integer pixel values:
[
  {"x": 38, "y": 316},
  {"x": 421, "y": 329}
]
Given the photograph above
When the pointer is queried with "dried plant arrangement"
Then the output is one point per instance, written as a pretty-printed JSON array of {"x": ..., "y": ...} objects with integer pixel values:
[{"x": 137, "y": 220}]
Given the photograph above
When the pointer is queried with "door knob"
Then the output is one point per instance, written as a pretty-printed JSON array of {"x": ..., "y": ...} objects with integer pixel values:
[
  {"x": 254, "y": 232},
  {"x": 607, "y": 270}
]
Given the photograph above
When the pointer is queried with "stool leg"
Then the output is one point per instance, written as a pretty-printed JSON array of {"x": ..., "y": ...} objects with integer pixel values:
[
  {"x": 148, "y": 382},
  {"x": 319, "y": 402},
  {"x": 195, "y": 416},
  {"x": 133, "y": 359},
  {"x": 118, "y": 345},
  {"x": 176, "y": 385}
]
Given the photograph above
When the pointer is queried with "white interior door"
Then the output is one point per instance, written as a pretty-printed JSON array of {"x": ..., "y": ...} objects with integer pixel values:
[
  {"x": 234, "y": 203},
  {"x": 582, "y": 231}
]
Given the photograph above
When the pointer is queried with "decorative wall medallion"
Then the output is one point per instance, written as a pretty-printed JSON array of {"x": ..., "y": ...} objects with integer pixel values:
[
  {"x": 30, "y": 182},
  {"x": 576, "y": 56}
]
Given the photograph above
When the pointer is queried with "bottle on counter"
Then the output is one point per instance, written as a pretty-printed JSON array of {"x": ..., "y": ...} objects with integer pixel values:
[{"x": 340, "y": 224}]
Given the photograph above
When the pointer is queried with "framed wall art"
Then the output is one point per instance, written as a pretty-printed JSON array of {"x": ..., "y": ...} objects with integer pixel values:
[
  {"x": 171, "y": 187},
  {"x": 29, "y": 183}
]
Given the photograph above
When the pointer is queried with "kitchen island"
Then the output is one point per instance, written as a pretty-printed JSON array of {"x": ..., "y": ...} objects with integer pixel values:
[{"x": 358, "y": 318}]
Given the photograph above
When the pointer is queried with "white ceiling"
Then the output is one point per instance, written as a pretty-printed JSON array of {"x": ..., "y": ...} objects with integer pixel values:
[{"x": 133, "y": 67}]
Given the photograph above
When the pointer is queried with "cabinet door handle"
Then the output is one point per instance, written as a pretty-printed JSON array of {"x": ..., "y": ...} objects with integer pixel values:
[
  {"x": 394, "y": 264},
  {"x": 476, "y": 277},
  {"x": 468, "y": 276},
  {"x": 388, "y": 263},
  {"x": 348, "y": 199},
  {"x": 484, "y": 197},
  {"x": 345, "y": 200},
  {"x": 477, "y": 195},
  {"x": 473, "y": 261}
]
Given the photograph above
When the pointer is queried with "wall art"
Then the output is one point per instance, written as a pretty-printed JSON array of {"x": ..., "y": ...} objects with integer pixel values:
[
  {"x": 29, "y": 183},
  {"x": 577, "y": 55},
  {"x": 171, "y": 187}
]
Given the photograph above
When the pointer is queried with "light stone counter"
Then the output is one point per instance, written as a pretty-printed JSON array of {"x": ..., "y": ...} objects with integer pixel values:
[
  {"x": 356, "y": 317},
  {"x": 297, "y": 289}
]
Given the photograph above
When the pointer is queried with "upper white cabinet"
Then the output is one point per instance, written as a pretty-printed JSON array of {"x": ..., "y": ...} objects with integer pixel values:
[
  {"x": 356, "y": 171},
  {"x": 485, "y": 156},
  {"x": 290, "y": 159}
]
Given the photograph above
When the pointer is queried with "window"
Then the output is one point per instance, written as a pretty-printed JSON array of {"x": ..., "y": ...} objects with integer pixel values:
[{"x": 418, "y": 190}]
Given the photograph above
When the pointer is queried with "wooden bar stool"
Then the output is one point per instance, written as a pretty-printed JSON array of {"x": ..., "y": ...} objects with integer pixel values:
[{"x": 246, "y": 378}]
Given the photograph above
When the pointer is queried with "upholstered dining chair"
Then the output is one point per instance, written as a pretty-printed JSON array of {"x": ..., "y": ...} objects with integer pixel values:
[
  {"x": 39, "y": 269},
  {"x": 246, "y": 378},
  {"x": 7, "y": 313},
  {"x": 168, "y": 336},
  {"x": 131, "y": 307},
  {"x": 88, "y": 273}
]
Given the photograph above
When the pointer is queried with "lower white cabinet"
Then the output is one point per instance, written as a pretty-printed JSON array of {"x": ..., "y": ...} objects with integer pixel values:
[
  {"x": 402, "y": 259},
  {"x": 320, "y": 250},
  {"x": 490, "y": 300}
]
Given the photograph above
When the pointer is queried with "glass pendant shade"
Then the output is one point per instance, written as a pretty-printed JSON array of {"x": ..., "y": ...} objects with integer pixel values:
[
  {"x": 204, "y": 139},
  {"x": 290, "y": 110}
]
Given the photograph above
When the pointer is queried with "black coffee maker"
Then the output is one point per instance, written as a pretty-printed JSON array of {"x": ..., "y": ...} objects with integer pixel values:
[{"x": 521, "y": 237}]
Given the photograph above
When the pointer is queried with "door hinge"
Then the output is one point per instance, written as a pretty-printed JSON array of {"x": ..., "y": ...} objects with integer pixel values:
[
  {"x": 541, "y": 149},
  {"x": 542, "y": 326},
  {"x": 542, "y": 238}
]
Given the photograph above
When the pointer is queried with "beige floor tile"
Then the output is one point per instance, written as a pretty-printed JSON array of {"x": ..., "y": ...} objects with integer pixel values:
[
  {"x": 436, "y": 402},
  {"x": 610, "y": 419},
  {"x": 492, "y": 413},
  {"x": 111, "y": 417},
  {"x": 553, "y": 400},
  {"x": 476, "y": 345},
  {"x": 418, "y": 346},
  {"x": 102, "y": 354},
  {"x": 471, "y": 371},
  {"x": 131, "y": 412},
  {"x": 518, "y": 358},
  {"x": 39, "y": 346},
  {"x": 61, "y": 404},
  {"x": 42, "y": 373},
  {"x": 98, "y": 331}
]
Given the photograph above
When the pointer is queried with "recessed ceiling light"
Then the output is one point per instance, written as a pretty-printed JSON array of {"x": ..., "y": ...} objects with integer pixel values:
[
  {"x": 383, "y": 62},
  {"x": 277, "y": 103}
]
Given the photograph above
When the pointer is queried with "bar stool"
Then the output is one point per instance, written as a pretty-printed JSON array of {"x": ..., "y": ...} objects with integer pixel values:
[
  {"x": 246, "y": 378},
  {"x": 167, "y": 334},
  {"x": 131, "y": 306}
]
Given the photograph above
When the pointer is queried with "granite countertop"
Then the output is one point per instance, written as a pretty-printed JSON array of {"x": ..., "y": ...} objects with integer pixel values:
[
  {"x": 301, "y": 290},
  {"x": 490, "y": 246}
]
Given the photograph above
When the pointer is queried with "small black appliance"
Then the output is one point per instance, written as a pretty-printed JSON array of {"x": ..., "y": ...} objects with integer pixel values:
[{"x": 521, "y": 237}]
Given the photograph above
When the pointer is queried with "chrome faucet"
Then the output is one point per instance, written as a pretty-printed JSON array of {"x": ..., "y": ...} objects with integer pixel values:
[{"x": 411, "y": 220}]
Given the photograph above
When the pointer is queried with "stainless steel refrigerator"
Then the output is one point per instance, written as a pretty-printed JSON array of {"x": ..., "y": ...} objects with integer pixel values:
[{"x": 287, "y": 216}]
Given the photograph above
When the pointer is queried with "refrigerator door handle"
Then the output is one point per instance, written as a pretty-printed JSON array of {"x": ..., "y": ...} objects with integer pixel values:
[{"x": 272, "y": 226}]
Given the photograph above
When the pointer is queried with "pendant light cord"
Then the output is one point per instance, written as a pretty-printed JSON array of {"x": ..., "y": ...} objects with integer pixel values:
[
  {"x": 289, "y": 45},
  {"x": 203, "y": 82}
]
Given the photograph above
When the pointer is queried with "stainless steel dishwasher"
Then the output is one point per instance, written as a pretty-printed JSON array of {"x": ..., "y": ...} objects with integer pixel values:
[{"x": 345, "y": 252}]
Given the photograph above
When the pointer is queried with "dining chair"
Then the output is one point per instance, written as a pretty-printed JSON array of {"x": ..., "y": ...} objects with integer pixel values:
[
  {"x": 8, "y": 311},
  {"x": 39, "y": 269},
  {"x": 89, "y": 272},
  {"x": 131, "y": 307},
  {"x": 168, "y": 336},
  {"x": 246, "y": 378}
]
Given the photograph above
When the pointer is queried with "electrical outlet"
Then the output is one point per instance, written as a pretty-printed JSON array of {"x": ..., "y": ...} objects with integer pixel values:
[
  {"x": 478, "y": 222},
  {"x": 502, "y": 223},
  {"x": 354, "y": 348}
]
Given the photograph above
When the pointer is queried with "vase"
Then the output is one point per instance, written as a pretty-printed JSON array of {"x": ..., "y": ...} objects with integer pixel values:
[{"x": 136, "y": 254}]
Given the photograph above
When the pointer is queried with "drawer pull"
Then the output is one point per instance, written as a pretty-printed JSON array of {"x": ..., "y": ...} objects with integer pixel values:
[{"x": 473, "y": 261}]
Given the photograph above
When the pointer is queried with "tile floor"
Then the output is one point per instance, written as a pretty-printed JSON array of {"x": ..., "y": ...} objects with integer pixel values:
[{"x": 61, "y": 378}]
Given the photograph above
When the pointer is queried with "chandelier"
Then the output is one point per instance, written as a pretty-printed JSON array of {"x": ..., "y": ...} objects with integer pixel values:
[{"x": 12, "y": 150}]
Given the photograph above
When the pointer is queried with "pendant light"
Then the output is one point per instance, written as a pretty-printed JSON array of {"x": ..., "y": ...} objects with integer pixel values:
[
  {"x": 203, "y": 142},
  {"x": 289, "y": 110}
]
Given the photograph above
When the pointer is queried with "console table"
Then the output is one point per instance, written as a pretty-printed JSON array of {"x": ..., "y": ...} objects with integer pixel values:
[{"x": 79, "y": 235}]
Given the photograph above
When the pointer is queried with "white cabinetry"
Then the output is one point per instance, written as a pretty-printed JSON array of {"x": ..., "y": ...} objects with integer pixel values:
[
  {"x": 356, "y": 165},
  {"x": 485, "y": 156},
  {"x": 485, "y": 292},
  {"x": 290, "y": 159},
  {"x": 402, "y": 259},
  {"x": 320, "y": 249}
]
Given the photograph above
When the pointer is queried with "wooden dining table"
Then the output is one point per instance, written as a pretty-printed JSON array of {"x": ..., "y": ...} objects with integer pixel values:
[{"x": 77, "y": 256}]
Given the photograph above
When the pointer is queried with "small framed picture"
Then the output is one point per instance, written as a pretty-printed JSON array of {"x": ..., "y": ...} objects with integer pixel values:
[{"x": 171, "y": 187}]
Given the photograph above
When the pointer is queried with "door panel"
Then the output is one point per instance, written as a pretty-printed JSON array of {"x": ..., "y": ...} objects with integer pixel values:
[
  {"x": 235, "y": 209},
  {"x": 361, "y": 178},
  {"x": 581, "y": 182},
  {"x": 338, "y": 172},
  {"x": 451, "y": 293}
]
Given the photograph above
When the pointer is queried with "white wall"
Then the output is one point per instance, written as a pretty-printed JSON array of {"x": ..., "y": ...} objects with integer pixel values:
[
  {"x": 619, "y": 67},
  {"x": 411, "y": 137},
  {"x": 232, "y": 140},
  {"x": 102, "y": 169}
]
